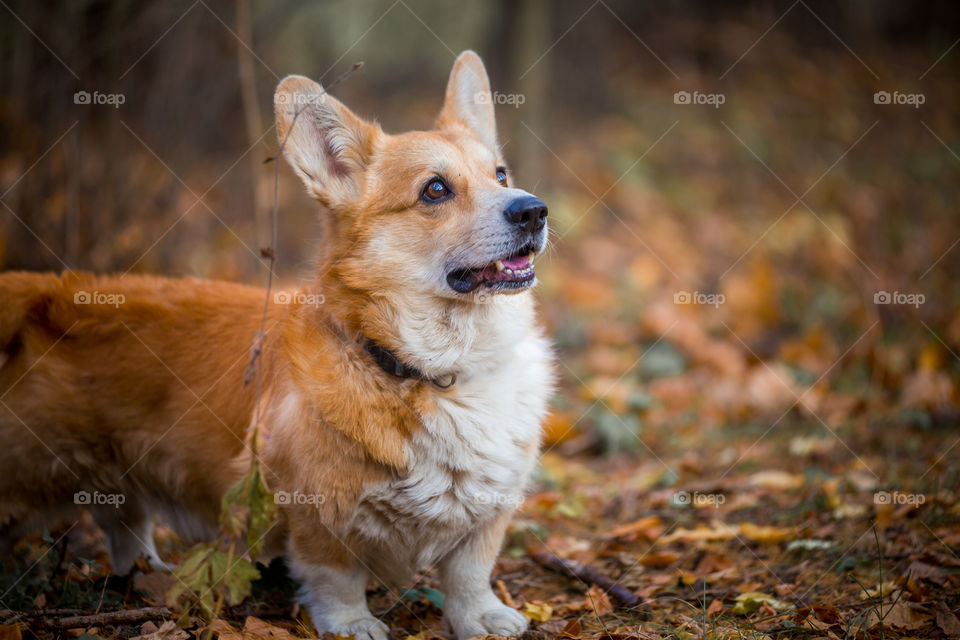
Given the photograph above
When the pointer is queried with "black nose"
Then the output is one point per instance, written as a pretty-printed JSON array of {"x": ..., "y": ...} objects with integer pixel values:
[{"x": 528, "y": 213}]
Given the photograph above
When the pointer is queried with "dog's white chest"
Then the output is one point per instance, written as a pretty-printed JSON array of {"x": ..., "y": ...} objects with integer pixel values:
[{"x": 470, "y": 462}]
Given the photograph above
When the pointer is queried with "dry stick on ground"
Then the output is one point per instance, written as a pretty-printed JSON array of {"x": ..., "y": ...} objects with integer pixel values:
[
  {"x": 123, "y": 616},
  {"x": 590, "y": 575},
  {"x": 238, "y": 612},
  {"x": 10, "y": 617}
]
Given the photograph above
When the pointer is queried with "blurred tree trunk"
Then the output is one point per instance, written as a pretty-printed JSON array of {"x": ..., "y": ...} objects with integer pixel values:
[
  {"x": 254, "y": 123},
  {"x": 530, "y": 40}
]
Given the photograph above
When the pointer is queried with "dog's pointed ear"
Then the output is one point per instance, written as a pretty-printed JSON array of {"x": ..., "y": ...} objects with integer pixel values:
[
  {"x": 468, "y": 102},
  {"x": 327, "y": 145}
]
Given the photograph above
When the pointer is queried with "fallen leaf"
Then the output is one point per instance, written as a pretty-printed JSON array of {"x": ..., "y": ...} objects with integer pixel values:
[
  {"x": 225, "y": 631},
  {"x": 884, "y": 516},
  {"x": 752, "y": 601},
  {"x": 880, "y": 591},
  {"x": 712, "y": 562},
  {"x": 660, "y": 559},
  {"x": 777, "y": 480},
  {"x": 918, "y": 569},
  {"x": 715, "y": 607},
  {"x": 719, "y": 531},
  {"x": 505, "y": 594},
  {"x": 537, "y": 611},
  {"x": 10, "y": 632},
  {"x": 167, "y": 631},
  {"x": 572, "y": 629},
  {"x": 766, "y": 535},
  {"x": 850, "y": 510},
  {"x": 258, "y": 629},
  {"x": 650, "y": 527},
  {"x": 828, "y": 615},
  {"x": 810, "y": 544},
  {"x": 947, "y": 621},
  {"x": 899, "y": 616},
  {"x": 599, "y": 601},
  {"x": 552, "y": 628}
]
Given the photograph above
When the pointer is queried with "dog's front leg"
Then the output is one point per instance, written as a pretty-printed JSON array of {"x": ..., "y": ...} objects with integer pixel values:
[
  {"x": 469, "y": 605},
  {"x": 337, "y": 601}
]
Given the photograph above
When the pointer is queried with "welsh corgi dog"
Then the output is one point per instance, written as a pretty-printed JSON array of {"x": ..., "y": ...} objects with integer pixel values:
[{"x": 402, "y": 387}]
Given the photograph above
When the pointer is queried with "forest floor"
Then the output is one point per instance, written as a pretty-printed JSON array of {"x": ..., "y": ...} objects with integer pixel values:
[{"x": 731, "y": 535}]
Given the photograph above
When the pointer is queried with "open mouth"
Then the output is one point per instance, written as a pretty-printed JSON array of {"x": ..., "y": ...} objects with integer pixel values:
[{"x": 511, "y": 272}]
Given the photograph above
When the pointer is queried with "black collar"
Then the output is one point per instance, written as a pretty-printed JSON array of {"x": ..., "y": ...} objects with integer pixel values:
[{"x": 389, "y": 362}]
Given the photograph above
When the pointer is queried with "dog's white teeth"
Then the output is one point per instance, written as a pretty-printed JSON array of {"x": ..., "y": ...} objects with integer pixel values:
[
  {"x": 509, "y": 270},
  {"x": 500, "y": 266},
  {"x": 530, "y": 257}
]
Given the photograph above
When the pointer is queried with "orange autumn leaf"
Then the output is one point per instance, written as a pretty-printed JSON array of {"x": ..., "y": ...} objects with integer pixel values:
[
  {"x": 766, "y": 535},
  {"x": 558, "y": 427},
  {"x": 660, "y": 559},
  {"x": 599, "y": 601},
  {"x": 649, "y": 527}
]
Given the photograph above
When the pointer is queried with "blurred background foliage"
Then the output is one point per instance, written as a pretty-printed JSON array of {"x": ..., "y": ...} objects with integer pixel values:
[{"x": 796, "y": 200}]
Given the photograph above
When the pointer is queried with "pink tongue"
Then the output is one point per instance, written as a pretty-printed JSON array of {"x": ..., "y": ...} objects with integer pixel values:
[{"x": 521, "y": 262}]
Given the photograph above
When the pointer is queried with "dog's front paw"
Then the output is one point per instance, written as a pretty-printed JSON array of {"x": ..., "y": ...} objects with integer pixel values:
[
  {"x": 495, "y": 618},
  {"x": 157, "y": 564},
  {"x": 367, "y": 628}
]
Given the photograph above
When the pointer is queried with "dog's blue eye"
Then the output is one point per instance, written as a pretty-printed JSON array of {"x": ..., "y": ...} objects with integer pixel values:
[
  {"x": 435, "y": 190},
  {"x": 502, "y": 176}
]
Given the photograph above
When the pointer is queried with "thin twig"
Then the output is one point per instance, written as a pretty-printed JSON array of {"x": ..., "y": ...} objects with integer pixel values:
[
  {"x": 270, "y": 253},
  {"x": 122, "y": 616},
  {"x": 590, "y": 575}
]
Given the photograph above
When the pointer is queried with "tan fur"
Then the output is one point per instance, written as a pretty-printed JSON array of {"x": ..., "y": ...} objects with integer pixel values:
[{"x": 145, "y": 397}]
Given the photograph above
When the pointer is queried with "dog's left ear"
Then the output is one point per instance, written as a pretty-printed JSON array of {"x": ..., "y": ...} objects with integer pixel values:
[
  {"x": 327, "y": 145},
  {"x": 468, "y": 103}
]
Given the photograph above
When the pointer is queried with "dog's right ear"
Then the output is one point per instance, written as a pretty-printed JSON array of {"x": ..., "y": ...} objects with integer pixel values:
[{"x": 327, "y": 145}]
